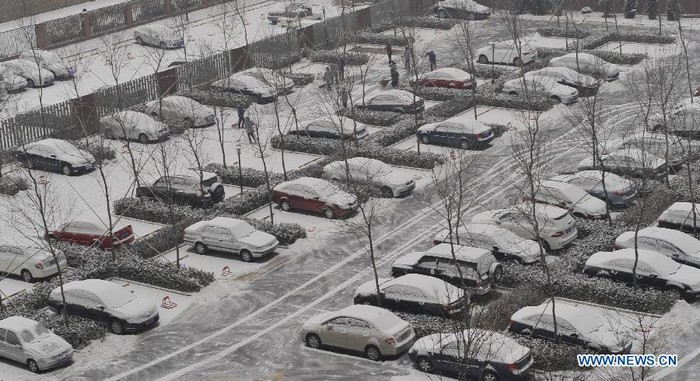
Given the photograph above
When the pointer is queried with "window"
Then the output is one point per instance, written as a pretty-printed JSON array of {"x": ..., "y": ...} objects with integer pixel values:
[
  {"x": 644, "y": 268},
  {"x": 621, "y": 264},
  {"x": 428, "y": 263},
  {"x": 12, "y": 338},
  {"x": 403, "y": 292},
  {"x": 3, "y": 332}
]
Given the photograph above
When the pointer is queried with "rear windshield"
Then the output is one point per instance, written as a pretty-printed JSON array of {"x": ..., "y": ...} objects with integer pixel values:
[{"x": 209, "y": 181}]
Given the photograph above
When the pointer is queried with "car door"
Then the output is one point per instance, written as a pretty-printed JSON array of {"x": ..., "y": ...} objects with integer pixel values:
[
  {"x": 75, "y": 304},
  {"x": 335, "y": 332},
  {"x": 4, "y": 347},
  {"x": 312, "y": 200},
  {"x": 95, "y": 308},
  {"x": 392, "y": 298},
  {"x": 543, "y": 326},
  {"x": 516, "y": 223},
  {"x": 13, "y": 347},
  {"x": 211, "y": 237},
  {"x": 230, "y": 241},
  {"x": 359, "y": 333},
  {"x": 621, "y": 269},
  {"x": 427, "y": 265},
  {"x": 440, "y": 134},
  {"x": 14, "y": 259},
  {"x": 648, "y": 275},
  {"x": 568, "y": 333},
  {"x": 450, "y": 358}
]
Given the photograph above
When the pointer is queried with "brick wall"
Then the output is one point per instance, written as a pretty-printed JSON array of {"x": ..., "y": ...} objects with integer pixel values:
[{"x": 16, "y": 9}]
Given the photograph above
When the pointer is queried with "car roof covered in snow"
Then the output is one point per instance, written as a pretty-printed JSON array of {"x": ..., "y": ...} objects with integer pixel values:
[
  {"x": 683, "y": 241},
  {"x": 56, "y": 144},
  {"x": 372, "y": 314},
  {"x": 500, "y": 347},
  {"x": 398, "y": 94},
  {"x": 310, "y": 181},
  {"x": 430, "y": 286},
  {"x": 17, "y": 323},
  {"x": 654, "y": 258},
  {"x": 450, "y": 72},
  {"x": 95, "y": 286},
  {"x": 542, "y": 210},
  {"x": 578, "y": 315}
]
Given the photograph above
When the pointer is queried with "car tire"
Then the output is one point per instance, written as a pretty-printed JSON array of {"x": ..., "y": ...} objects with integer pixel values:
[
  {"x": 517, "y": 61},
  {"x": 200, "y": 248},
  {"x": 483, "y": 59},
  {"x": 373, "y": 353},
  {"x": 496, "y": 272},
  {"x": 471, "y": 16},
  {"x": 284, "y": 205},
  {"x": 387, "y": 192},
  {"x": 488, "y": 375},
  {"x": 66, "y": 169},
  {"x": 555, "y": 98},
  {"x": 328, "y": 212},
  {"x": 514, "y": 93},
  {"x": 465, "y": 144},
  {"x": 188, "y": 123},
  {"x": 139, "y": 40},
  {"x": 162, "y": 45},
  {"x": 33, "y": 366},
  {"x": 30, "y": 83},
  {"x": 424, "y": 364},
  {"x": 116, "y": 327},
  {"x": 246, "y": 255},
  {"x": 425, "y": 139},
  {"x": 313, "y": 341},
  {"x": 154, "y": 115},
  {"x": 27, "y": 276},
  {"x": 143, "y": 139}
]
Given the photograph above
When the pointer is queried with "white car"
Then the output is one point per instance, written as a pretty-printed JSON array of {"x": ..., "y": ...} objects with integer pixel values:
[
  {"x": 13, "y": 82},
  {"x": 371, "y": 330},
  {"x": 506, "y": 53},
  {"x": 565, "y": 76},
  {"x": 618, "y": 191},
  {"x": 158, "y": 35},
  {"x": 393, "y": 100},
  {"x": 50, "y": 61},
  {"x": 133, "y": 125},
  {"x": 656, "y": 144},
  {"x": 541, "y": 86},
  {"x": 449, "y": 77},
  {"x": 178, "y": 110},
  {"x": 683, "y": 119},
  {"x": 460, "y": 131},
  {"x": 392, "y": 182},
  {"x": 571, "y": 197},
  {"x": 461, "y": 9},
  {"x": 504, "y": 244},
  {"x": 556, "y": 225},
  {"x": 271, "y": 78},
  {"x": 230, "y": 235},
  {"x": 628, "y": 162},
  {"x": 682, "y": 247},
  {"x": 33, "y": 74},
  {"x": 680, "y": 216},
  {"x": 28, "y": 342},
  {"x": 577, "y": 324},
  {"x": 331, "y": 128},
  {"x": 107, "y": 302},
  {"x": 246, "y": 84},
  {"x": 55, "y": 155},
  {"x": 588, "y": 64},
  {"x": 30, "y": 262}
]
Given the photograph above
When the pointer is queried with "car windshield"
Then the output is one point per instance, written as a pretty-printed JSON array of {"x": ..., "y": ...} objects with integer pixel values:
[
  {"x": 387, "y": 321},
  {"x": 242, "y": 229},
  {"x": 668, "y": 266},
  {"x": 328, "y": 190},
  {"x": 34, "y": 334},
  {"x": 117, "y": 297}
]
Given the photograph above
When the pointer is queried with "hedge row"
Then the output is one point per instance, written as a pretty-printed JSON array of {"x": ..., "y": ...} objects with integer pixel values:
[
  {"x": 333, "y": 57},
  {"x": 217, "y": 98},
  {"x": 101, "y": 152},
  {"x": 280, "y": 62},
  {"x": 554, "y": 31},
  {"x": 425, "y": 22},
  {"x": 596, "y": 40},
  {"x": 375, "y": 118},
  {"x": 381, "y": 38},
  {"x": 612, "y": 56},
  {"x": 11, "y": 185}
]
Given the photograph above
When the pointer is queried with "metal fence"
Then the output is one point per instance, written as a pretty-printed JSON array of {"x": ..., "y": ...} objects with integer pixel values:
[
  {"x": 16, "y": 40},
  {"x": 64, "y": 30},
  {"x": 125, "y": 95},
  {"x": 109, "y": 18},
  {"x": 186, "y": 5},
  {"x": 142, "y": 10}
]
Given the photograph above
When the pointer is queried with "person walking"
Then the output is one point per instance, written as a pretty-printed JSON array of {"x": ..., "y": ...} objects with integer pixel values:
[
  {"x": 250, "y": 130},
  {"x": 344, "y": 96},
  {"x": 407, "y": 59},
  {"x": 388, "y": 50},
  {"x": 328, "y": 78},
  {"x": 241, "y": 116},
  {"x": 334, "y": 73},
  {"x": 433, "y": 60},
  {"x": 394, "y": 77},
  {"x": 341, "y": 68}
]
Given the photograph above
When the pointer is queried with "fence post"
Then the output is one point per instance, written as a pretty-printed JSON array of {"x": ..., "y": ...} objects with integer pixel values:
[
  {"x": 40, "y": 30},
  {"x": 86, "y": 23},
  {"x": 168, "y": 6},
  {"x": 128, "y": 15}
]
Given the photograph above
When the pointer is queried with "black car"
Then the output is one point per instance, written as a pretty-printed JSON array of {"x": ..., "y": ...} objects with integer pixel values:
[
  {"x": 185, "y": 189},
  {"x": 461, "y": 9},
  {"x": 323, "y": 128},
  {"x": 394, "y": 100},
  {"x": 420, "y": 294},
  {"x": 475, "y": 353},
  {"x": 460, "y": 132},
  {"x": 292, "y": 10},
  {"x": 55, "y": 155}
]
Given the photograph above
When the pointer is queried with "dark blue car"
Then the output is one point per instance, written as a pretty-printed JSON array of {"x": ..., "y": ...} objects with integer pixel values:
[
  {"x": 620, "y": 191},
  {"x": 459, "y": 132}
]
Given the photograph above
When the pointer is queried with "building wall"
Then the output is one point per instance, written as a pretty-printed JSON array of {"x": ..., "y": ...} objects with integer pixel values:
[{"x": 17, "y": 9}]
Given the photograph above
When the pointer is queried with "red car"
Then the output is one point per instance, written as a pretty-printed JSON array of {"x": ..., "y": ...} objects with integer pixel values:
[
  {"x": 697, "y": 92},
  {"x": 447, "y": 77},
  {"x": 92, "y": 234},
  {"x": 314, "y": 195}
]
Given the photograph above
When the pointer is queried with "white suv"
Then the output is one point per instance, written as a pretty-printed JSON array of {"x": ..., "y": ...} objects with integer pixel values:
[{"x": 505, "y": 53}]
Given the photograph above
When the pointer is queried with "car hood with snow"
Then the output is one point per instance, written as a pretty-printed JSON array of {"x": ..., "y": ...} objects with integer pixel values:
[
  {"x": 467, "y": 5},
  {"x": 137, "y": 310},
  {"x": 342, "y": 199},
  {"x": 258, "y": 238},
  {"x": 492, "y": 345},
  {"x": 49, "y": 346}
]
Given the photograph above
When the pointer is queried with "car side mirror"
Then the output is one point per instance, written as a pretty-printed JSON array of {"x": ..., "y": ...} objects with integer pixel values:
[
  {"x": 53, "y": 156},
  {"x": 315, "y": 197},
  {"x": 329, "y": 326},
  {"x": 495, "y": 248},
  {"x": 574, "y": 335},
  {"x": 101, "y": 307},
  {"x": 652, "y": 275}
]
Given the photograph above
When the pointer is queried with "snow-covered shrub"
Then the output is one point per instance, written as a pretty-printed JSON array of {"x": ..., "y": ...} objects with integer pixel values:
[
  {"x": 428, "y": 324},
  {"x": 101, "y": 152},
  {"x": 656, "y": 198},
  {"x": 615, "y": 57},
  {"x": 599, "y": 39},
  {"x": 435, "y": 93},
  {"x": 425, "y": 22},
  {"x": 381, "y": 38},
  {"x": 333, "y": 57},
  {"x": 80, "y": 331},
  {"x": 551, "y": 356},
  {"x": 280, "y": 61},
  {"x": 594, "y": 236},
  {"x": 162, "y": 240},
  {"x": 375, "y": 118},
  {"x": 11, "y": 185},
  {"x": 286, "y": 233},
  {"x": 554, "y": 31},
  {"x": 217, "y": 98},
  {"x": 300, "y": 79}
]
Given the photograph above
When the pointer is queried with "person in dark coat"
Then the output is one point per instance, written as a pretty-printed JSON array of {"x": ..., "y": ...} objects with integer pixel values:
[
  {"x": 394, "y": 77},
  {"x": 241, "y": 115},
  {"x": 344, "y": 96},
  {"x": 432, "y": 59},
  {"x": 407, "y": 59},
  {"x": 388, "y": 50},
  {"x": 341, "y": 68},
  {"x": 250, "y": 129},
  {"x": 328, "y": 78}
]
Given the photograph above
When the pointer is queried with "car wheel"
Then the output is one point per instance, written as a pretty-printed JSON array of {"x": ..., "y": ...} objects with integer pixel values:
[
  {"x": 424, "y": 365},
  {"x": 483, "y": 59},
  {"x": 555, "y": 98},
  {"x": 517, "y": 61},
  {"x": 66, "y": 169},
  {"x": 515, "y": 93},
  {"x": 154, "y": 115},
  {"x": 285, "y": 206},
  {"x": 200, "y": 248},
  {"x": 33, "y": 366},
  {"x": 496, "y": 272},
  {"x": 162, "y": 45},
  {"x": 328, "y": 212},
  {"x": 188, "y": 123},
  {"x": 313, "y": 341},
  {"x": 30, "y": 83},
  {"x": 488, "y": 375},
  {"x": 546, "y": 247},
  {"x": 425, "y": 139},
  {"x": 139, "y": 40},
  {"x": 387, "y": 192},
  {"x": 442, "y": 14},
  {"x": 465, "y": 144},
  {"x": 143, "y": 138},
  {"x": 373, "y": 353},
  {"x": 116, "y": 327},
  {"x": 27, "y": 276},
  {"x": 246, "y": 256}
]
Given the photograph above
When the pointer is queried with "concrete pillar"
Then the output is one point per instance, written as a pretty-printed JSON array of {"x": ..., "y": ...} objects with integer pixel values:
[{"x": 40, "y": 30}]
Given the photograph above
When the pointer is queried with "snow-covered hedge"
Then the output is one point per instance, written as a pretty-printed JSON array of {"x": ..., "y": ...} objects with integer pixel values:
[
  {"x": 612, "y": 56},
  {"x": 11, "y": 185},
  {"x": 333, "y": 57},
  {"x": 279, "y": 61},
  {"x": 300, "y": 79},
  {"x": 425, "y": 22},
  {"x": 554, "y": 31},
  {"x": 375, "y": 118},
  {"x": 381, "y": 38},
  {"x": 217, "y": 98},
  {"x": 596, "y": 40},
  {"x": 653, "y": 200},
  {"x": 435, "y": 93},
  {"x": 101, "y": 152}
]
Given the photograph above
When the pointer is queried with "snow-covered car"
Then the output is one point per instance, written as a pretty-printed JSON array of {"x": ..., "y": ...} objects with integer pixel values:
[
  {"x": 414, "y": 293},
  {"x": 542, "y": 87},
  {"x": 681, "y": 247},
  {"x": 30, "y": 71},
  {"x": 393, "y": 183},
  {"x": 314, "y": 195},
  {"x": 282, "y": 84},
  {"x": 577, "y": 324},
  {"x": 50, "y": 61},
  {"x": 107, "y": 302},
  {"x": 374, "y": 331},
  {"x": 565, "y": 76},
  {"x": 394, "y": 100},
  {"x": 30, "y": 262},
  {"x": 476, "y": 270},
  {"x": 290, "y": 11},
  {"x": 449, "y": 77},
  {"x": 93, "y": 233},
  {"x": 189, "y": 187},
  {"x": 176, "y": 110},
  {"x": 505, "y": 52},
  {"x": 246, "y": 84},
  {"x": 557, "y": 228},
  {"x": 571, "y": 197},
  {"x": 656, "y": 144},
  {"x": 504, "y": 244},
  {"x": 133, "y": 125},
  {"x": 680, "y": 216},
  {"x": 654, "y": 269},
  {"x": 618, "y": 191},
  {"x": 158, "y": 35},
  {"x": 461, "y": 9},
  {"x": 13, "y": 82},
  {"x": 474, "y": 353},
  {"x": 458, "y": 131},
  {"x": 683, "y": 119},
  {"x": 29, "y": 342},
  {"x": 628, "y": 162},
  {"x": 345, "y": 128},
  {"x": 588, "y": 64},
  {"x": 230, "y": 235},
  {"x": 55, "y": 155}
]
